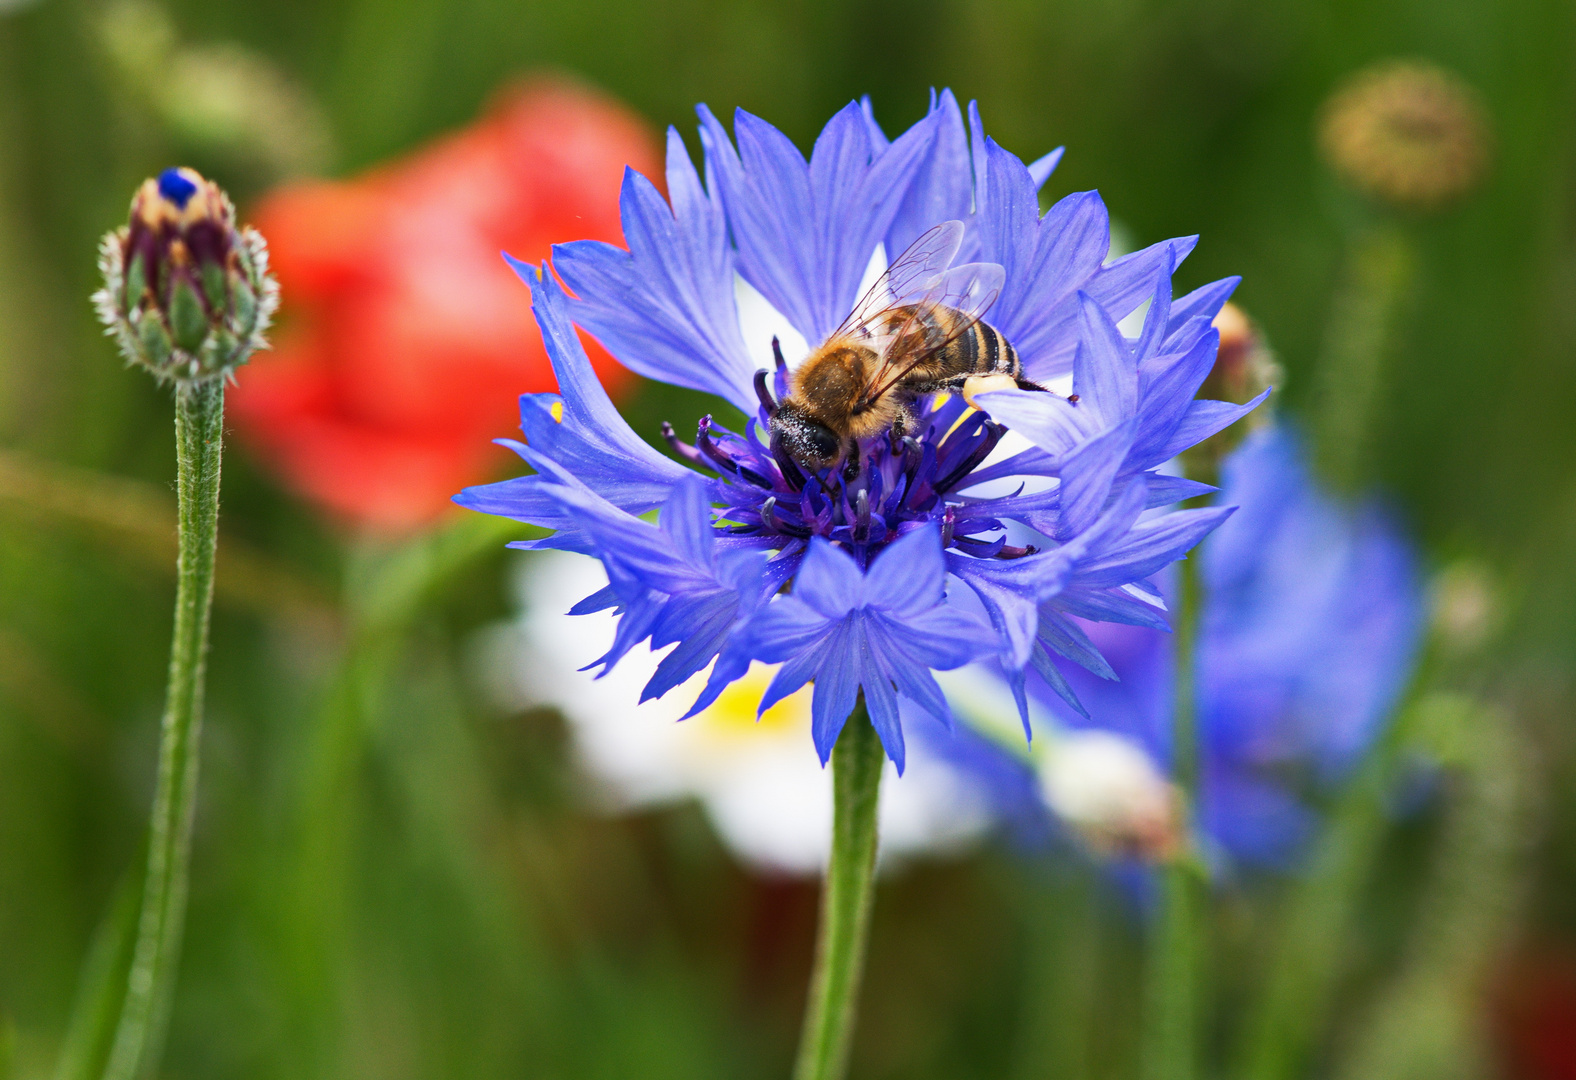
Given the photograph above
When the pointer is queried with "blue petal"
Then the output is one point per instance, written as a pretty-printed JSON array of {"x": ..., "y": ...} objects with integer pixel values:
[
  {"x": 1087, "y": 475},
  {"x": 908, "y": 577},
  {"x": 666, "y": 306},
  {"x": 1105, "y": 371},
  {"x": 1049, "y": 421},
  {"x": 579, "y": 430},
  {"x": 910, "y": 674},
  {"x": 943, "y": 187},
  {"x": 1150, "y": 546},
  {"x": 836, "y": 685},
  {"x": 1204, "y": 302},
  {"x": 1165, "y": 489},
  {"x": 1129, "y": 281},
  {"x": 1062, "y": 636},
  {"x": 805, "y": 231},
  {"x": 1110, "y": 605},
  {"x": 1203, "y": 419},
  {"x": 1167, "y": 385},
  {"x": 943, "y": 638},
  {"x": 880, "y": 700},
  {"x": 829, "y": 580},
  {"x": 784, "y": 628},
  {"x": 1040, "y": 170},
  {"x": 1011, "y": 590},
  {"x": 687, "y": 521}
]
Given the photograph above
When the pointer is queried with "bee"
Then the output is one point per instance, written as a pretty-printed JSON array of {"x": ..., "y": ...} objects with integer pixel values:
[{"x": 917, "y": 331}]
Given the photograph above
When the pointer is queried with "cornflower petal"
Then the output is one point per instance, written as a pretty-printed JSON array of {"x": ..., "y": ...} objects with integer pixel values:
[
  {"x": 1087, "y": 475},
  {"x": 666, "y": 306},
  {"x": 1150, "y": 546},
  {"x": 1203, "y": 419},
  {"x": 1105, "y": 371},
  {"x": 805, "y": 231},
  {"x": 667, "y": 579},
  {"x": 837, "y": 677},
  {"x": 578, "y": 428}
]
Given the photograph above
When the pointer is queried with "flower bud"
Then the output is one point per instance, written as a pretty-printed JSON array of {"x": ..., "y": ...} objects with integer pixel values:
[
  {"x": 1111, "y": 793},
  {"x": 186, "y": 294},
  {"x": 1244, "y": 366}
]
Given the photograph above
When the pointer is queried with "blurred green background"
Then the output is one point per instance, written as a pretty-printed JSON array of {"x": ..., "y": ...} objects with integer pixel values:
[{"x": 418, "y": 891}]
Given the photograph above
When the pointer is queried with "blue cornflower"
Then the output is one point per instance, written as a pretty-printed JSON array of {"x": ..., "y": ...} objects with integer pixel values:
[
  {"x": 1311, "y": 620},
  {"x": 842, "y": 574}
]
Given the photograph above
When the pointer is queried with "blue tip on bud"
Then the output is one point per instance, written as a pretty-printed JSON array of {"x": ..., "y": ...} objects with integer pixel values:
[
  {"x": 187, "y": 293},
  {"x": 174, "y": 186}
]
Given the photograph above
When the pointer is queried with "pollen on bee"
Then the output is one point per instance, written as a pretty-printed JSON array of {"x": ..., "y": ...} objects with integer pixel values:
[
  {"x": 558, "y": 412},
  {"x": 984, "y": 384}
]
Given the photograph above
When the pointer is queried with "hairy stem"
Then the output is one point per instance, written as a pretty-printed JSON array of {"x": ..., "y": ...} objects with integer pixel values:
[
  {"x": 857, "y": 762},
  {"x": 199, "y": 431},
  {"x": 1368, "y": 302}
]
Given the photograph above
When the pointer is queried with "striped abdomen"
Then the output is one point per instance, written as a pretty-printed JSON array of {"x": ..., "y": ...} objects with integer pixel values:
[{"x": 982, "y": 350}]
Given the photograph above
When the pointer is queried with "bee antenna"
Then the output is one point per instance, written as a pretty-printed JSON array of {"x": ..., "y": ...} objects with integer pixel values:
[
  {"x": 777, "y": 351},
  {"x": 764, "y": 394}
]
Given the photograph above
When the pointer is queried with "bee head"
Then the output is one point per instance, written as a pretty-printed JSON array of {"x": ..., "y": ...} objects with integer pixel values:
[{"x": 807, "y": 440}]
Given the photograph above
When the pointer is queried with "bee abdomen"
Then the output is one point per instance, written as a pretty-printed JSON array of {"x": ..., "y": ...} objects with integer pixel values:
[{"x": 992, "y": 353}]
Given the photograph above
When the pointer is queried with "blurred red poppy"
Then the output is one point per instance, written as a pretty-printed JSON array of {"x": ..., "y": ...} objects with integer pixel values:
[
  {"x": 1536, "y": 1013},
  {"x": 406, "y": 338}
]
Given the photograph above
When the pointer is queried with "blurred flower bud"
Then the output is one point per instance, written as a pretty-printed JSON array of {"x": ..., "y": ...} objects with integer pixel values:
[
  {"x": 1244, "y": 367},
  {"x": 1407, "y": 132},
  {"x": 1113, "y": 795},
  {"x": 186, "y": 294}
]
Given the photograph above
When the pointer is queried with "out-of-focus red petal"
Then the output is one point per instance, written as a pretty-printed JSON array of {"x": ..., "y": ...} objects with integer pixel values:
[
  {"x": 406, "y": 340},
  {"x": 1535, "y": 1014},
  {"x": 322, "y": 237}
]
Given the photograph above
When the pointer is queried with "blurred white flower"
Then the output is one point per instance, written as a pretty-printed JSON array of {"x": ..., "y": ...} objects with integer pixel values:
[
  {"x": 759, "y": 782},
  {"x": 1103, "y": 786},
  {"x": 1111, "y": 792}
]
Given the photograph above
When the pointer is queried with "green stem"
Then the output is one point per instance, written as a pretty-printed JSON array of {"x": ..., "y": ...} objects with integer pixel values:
[
  {"x": 1170, "y": 1047},
  {"x": 199, "y": 432},
  {"x": 1367, "y": 304},
  {"x": 1310, "y": 952},
  {"x": 857, "y": 762}
]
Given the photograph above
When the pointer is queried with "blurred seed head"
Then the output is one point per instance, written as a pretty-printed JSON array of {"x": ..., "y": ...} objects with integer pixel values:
[
  {"x": 1408, "y": 133},
  {"x": 186, "y": 294},
  {"x": 1108, "y": 790},
  {"x": 220, "y": 97}
]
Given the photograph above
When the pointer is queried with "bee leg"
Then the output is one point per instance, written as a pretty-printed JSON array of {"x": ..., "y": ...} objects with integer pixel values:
[
  {"x": 900, "y": 425},
  {"x": 1027, "y": 384},
  {"x": 852, "y": 461}
]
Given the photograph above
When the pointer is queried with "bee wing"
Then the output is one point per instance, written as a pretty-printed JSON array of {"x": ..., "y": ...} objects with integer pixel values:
[
  {"x": 906, "y": 342},
  {"x": 914, "y": 274}
]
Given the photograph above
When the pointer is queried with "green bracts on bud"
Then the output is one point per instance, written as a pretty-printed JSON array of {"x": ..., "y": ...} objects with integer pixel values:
[
  {"x": 186, "y": 293},
  {"x": 188, "y": 319}
]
